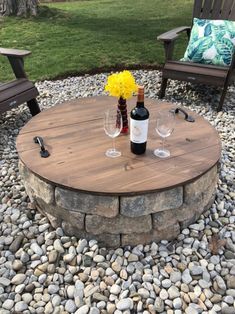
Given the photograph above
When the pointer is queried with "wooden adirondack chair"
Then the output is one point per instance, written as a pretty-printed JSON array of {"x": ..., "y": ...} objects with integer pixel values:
[
  {"x": 21, "y": 89},
  {"x": 195, "y": 72}
]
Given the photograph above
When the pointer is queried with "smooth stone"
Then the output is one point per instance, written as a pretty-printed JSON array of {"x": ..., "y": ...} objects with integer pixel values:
[
  {"x": 191, "y": 310},
  {"x": 21, "y": 306},
  {"x": 175, "y": 276},
  {"x": 215, "y": 259},
  {"x": 70, "y": 306},
  {"x": 173, "y": 292},
  {"x": 133, "y": 258},
  {"x": 36, "y": 249},
  {"x": 186, "y": 278},
  {"x": 70, "y": 291},
  {"x": 204, "y": 284},
  {"x": 230, "y": 282},
  {"x": 18, "y": 279},
  {"x": 8, "y": 304},
  {"x": 30, "y": 287},
  {"x": 8, "y": 240},
  {"x": 87, "y": 260},
  {"x": 196, "y": 270},
  {"x": 216, "y": 298},
  {"x": 48, "y": 308},
  {"x": 231, "y": 292},
  {"x": 90, "y": 290},
  {"x": 147, "y": 277},
  {"x": 83, "y": 310},
  {"x": 56, "y": 300},
  {"x": 159, "y": 305},
  {"x": 220, "y": 282},
  {"x": 177, "y": 303},
  {"x": 163, "y": 294},
  {"x": 81, "y": 246},
  {"x": 124, "y": 304},
  {"x": 27, "y": 297},
  {"x": 228, "y": 310},
  {"x": 17, "y": 264},
  {"x": 19, "y": 288},
  {"x": 143, "y": 293},
  {"x": 99, "y": 258},
  {"x": 124, "y": 275},
  {"x": 68, "y": 258},
  {"x": 52, "y": 289},
  {"x": 228, "y": 299},
  {"x": 15, "y": 245},
  {"x": 52, "y": 256},
  {"x": 58, "y": 246},
  {"x": 24, "y": 257},
  {"x": 115, "y": 289},
  {"x": 99, "y": 297},
  {"x": 229, "y": 255},
  {"x": 94, "y": 310},
  {"x": 4, "y": 281},
  {"x": 166, "y": 283},
  {"x": 94, "y": 274}
]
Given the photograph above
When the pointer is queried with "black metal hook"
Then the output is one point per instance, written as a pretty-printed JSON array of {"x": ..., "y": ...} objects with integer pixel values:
[
  {"x": 43, "y": 152},
  {"x": 187, "y": 117}
]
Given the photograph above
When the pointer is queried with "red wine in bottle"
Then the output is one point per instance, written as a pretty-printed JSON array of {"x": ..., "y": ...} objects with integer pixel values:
[{"x": 139, "y": 125}]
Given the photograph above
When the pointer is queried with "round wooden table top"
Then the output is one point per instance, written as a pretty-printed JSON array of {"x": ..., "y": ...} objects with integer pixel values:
[{"x": 74, "y": 136}]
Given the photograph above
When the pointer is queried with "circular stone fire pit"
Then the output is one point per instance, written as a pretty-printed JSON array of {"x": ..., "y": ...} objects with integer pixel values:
[{"x": 123, "y": 201}]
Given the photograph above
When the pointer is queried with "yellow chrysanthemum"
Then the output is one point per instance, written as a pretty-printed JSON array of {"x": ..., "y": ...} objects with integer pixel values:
[{"x": 121, "y": 84}]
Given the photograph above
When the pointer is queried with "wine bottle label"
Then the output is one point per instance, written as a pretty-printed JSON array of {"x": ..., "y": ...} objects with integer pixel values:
[{"x": 138, "y": 131}]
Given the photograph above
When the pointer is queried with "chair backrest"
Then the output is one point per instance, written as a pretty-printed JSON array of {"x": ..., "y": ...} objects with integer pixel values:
[{"x": 214, "y": 9}]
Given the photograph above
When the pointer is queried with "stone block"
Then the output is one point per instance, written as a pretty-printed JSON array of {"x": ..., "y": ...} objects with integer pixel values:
[
  {"x": 107, "y": 206},
  {"x": 189, "y": 213},
  {"x": 209, "y": 195},
  {"x": 164, "y": 219},
  {"x": 105, "y": 239},
  {"x": 35, "y": 187},
  {"x": 196, "y": 191},
  {"x": 54, "y": 221},
  {"x": 73, "y": 218},
  {"x": 97, "y": 225},
  {"x": 186, "y": 215},
  {"x": 168, "y": 233},
  {"x": 136, "y": 206}
]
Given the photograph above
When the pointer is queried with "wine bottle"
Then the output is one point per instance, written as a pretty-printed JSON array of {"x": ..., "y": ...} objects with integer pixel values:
[{"x": 139, "y": 125}]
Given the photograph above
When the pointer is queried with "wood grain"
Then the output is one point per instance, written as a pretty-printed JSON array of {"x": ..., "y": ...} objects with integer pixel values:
[{"x": 73, "y": 133}]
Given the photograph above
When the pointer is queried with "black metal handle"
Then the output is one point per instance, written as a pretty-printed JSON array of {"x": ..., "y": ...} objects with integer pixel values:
[
  {"x": 186, "y": 116},
  {"x": 38, "y": 140}
]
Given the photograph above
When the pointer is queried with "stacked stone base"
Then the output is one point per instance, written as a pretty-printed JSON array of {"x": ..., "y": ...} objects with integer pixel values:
[{"x": 122, "y": 220}]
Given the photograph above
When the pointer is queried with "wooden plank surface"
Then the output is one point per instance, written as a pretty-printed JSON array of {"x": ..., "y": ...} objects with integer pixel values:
[
  {"x": 206, "y": 11},
  {"x": 73, "y": 134},
  {"x": 227, "y": 9},
  {"x": 216, "y": 12}
]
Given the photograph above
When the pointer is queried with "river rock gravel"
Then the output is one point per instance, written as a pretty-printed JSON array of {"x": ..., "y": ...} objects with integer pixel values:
[{"x": 44, "y": 271}]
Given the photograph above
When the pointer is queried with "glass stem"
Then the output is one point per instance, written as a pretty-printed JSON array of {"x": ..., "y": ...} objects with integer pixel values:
[
  {"x": 163, "y": 143},
  {"x": 113, "y": 143}
]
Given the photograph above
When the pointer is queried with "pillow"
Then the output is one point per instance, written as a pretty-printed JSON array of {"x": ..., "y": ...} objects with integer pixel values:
[{"x": 211, "y": 42}]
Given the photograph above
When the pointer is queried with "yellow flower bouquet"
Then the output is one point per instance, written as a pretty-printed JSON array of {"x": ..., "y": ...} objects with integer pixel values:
[{"x": 122, "y": 85}]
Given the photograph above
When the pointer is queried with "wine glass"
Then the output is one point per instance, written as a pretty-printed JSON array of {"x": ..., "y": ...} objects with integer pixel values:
[
  {"x": 165, "y": 124},
  {"x": 113, "y": 127}
]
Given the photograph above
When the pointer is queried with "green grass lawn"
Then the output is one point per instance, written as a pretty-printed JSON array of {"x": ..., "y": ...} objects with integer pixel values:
[{"x": 94, "y": 35}]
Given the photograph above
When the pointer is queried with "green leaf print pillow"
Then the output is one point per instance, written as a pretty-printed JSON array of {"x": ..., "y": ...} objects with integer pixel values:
[{"x": 211, "y": 42}]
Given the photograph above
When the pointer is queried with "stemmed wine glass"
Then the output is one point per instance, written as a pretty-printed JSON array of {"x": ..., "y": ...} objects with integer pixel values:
[
  {"x": 113, "y": 127},
  {"x": 165, "y": 124}
]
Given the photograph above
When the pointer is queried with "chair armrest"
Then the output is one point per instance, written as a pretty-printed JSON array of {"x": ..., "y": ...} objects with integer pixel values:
[
  {"x": 14, "y": 52},
  {"x": 16, "y": 60},
  {"x": 174, "y": 33}
]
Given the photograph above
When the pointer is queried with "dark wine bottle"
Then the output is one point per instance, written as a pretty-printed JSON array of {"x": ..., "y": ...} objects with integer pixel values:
[{"x": 139, "y": 125}]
